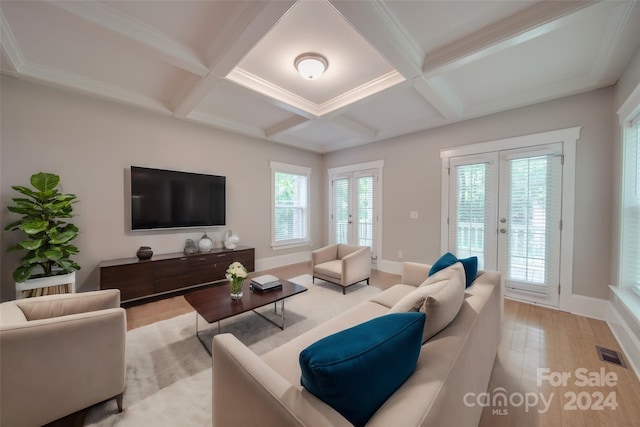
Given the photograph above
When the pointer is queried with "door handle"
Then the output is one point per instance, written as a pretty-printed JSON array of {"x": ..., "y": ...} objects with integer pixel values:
[{"x": 503, "y": 230}]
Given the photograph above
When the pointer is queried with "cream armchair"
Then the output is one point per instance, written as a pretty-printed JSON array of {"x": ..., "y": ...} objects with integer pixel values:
[
  {"x": 60, "y": 354},
  {"x": 344, "y": 265}
]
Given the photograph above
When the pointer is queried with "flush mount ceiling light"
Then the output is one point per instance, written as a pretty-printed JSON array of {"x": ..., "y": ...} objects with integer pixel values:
[{"x": 311, "y": 65}]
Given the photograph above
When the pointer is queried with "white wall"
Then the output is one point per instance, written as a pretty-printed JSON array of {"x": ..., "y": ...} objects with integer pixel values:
[
  {"x": 90, "y": 143},
  {"x": 412, "y": 180}
]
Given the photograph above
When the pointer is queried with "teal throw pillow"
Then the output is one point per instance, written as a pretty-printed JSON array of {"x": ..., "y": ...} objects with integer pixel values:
[
  {"x": 470, "y": 266},
  {"x": 470, "y": 269},
  {"x": 443, "y": 262},
  {"x": 356, "y": 370}
]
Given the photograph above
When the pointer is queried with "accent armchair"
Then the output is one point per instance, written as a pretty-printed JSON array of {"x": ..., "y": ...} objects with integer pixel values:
[
  {"x": 60, "y": 354},
  {"x": 341, "y": 264}
]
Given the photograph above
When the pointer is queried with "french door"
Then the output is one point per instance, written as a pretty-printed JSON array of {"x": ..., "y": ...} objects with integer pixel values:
[
  {"x": 354, "y": 213},
  {"x": 505, "y": 208}
]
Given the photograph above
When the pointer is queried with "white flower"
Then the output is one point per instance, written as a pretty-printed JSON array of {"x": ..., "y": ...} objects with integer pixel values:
[{"x": 236, "y": 271}]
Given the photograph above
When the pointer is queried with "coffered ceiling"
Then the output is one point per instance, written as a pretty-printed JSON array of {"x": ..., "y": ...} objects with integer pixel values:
[{"x": 395, "y": 67}]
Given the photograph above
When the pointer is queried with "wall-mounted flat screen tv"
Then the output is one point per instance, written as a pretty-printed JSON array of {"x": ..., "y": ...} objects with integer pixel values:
[{"x": 172, "y": 199}]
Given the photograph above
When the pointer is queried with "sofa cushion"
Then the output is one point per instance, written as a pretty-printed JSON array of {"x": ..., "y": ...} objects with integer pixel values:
[
  {"x": 440, "y": 301},
  {"x": 330, "y": 268},
  {"x": 389, "y": 297},
  {"x": 338, "y": 368},
  {"x": 470, "y": 266}
]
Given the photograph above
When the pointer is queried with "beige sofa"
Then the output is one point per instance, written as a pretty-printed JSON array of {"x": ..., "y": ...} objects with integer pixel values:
[
  {"x": 344, "y": 265},
  {"x": 250, "y": 390},
  {"x": 60, "y": 354}
]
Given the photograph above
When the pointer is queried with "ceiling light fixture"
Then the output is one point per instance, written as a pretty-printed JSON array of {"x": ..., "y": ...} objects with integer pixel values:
[{"x": 311, "y": 65}]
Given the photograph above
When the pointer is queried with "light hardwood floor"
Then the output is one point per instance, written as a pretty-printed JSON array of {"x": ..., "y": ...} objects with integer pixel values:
[{"x": 533, "y": 338}]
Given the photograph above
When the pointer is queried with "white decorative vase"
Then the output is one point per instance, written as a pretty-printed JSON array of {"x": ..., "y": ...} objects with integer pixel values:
[
  {"x": 231, "y": 240},
  {"x": 205, "y": 244}
]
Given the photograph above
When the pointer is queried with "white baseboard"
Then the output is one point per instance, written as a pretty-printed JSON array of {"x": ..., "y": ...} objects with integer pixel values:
[
  {"x": 624, "y": 300},
  {"x": 595, "y": 308},
  {"x": 393, "y": 267},
  {"x": 282, "y": 260}
]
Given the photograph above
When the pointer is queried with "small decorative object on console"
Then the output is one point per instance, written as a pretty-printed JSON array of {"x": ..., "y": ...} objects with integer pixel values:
[
  {"x": 205, "y": 244},
  {"x": 144, "y": 252},
  {"x": 236, "y": 273},
  {"x": 231, "y": 240},
  {"x": 190, "y": 247}
]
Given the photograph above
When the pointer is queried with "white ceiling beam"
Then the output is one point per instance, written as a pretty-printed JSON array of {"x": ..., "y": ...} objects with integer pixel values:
[
  {"x": 291, "y": 124},
  {"x": 221, "y": 123},
  {"x": 359, "y": 130},
  {"x": 75, "y": 83},
  {"x": 250, "y": 22},
  {"x": 376, "y": 23},
  {"x": 445, "y": 101},
  {"x": 152, "y": 40},
  {"x": 10, "y": 45},
  {"x": 533, "y": 22},
  {"x": 193, "y": 93}
]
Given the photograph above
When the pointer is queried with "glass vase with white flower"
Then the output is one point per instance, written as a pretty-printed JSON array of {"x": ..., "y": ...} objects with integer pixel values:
[{"x": 236, "y": 273}]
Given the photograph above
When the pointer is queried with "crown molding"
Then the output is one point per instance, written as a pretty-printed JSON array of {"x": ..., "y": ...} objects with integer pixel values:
[
  {"x": 155, "y": 42},
  {"x": 618, "y": 20},
  {"x": 444, "y": 100}
]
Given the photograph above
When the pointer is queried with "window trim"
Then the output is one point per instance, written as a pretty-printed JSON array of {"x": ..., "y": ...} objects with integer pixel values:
[
  {"x": 628, "y": 117},
  {"x": 293, "y": 170}
]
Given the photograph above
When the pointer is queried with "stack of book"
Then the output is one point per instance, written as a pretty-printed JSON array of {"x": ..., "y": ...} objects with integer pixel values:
[{"x": 266, "y": 283}]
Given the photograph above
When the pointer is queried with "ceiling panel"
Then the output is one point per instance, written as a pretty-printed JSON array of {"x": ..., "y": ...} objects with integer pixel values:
[
  {"x": 394, "y": 108},
  {"x": 193, "y": 23},
  {"x": 435, "y": 24},
  {"x": 237, "y": 103}
]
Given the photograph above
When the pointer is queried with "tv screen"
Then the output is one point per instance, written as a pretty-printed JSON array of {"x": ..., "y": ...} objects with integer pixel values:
[{"x": 172, "y": 199}]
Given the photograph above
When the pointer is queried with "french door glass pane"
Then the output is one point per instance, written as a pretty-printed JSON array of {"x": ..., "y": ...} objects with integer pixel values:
[
  {"x": 341, "y": 210},
  {"x": 471, "y": 211},
  {"x": 529, "y": 205},
  {"x": 365, "y": 211}
]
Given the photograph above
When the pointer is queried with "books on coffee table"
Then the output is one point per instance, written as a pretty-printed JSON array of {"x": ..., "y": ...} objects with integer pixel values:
[{"x": 266, "y": 283}]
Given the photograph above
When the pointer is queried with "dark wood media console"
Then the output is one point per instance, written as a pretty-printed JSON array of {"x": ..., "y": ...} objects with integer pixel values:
[{"x": 138, "y": 279}]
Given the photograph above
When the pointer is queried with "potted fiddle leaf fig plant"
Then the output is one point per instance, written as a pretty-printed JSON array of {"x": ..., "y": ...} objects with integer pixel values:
[{"x": 48, "y": 235}]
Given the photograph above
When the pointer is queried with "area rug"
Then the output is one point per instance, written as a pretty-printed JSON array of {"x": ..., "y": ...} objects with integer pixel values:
[{"x": 169, "y": 371}]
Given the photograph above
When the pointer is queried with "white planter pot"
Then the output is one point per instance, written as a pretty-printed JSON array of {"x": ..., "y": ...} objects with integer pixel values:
[{"x": 46, "y": 282}]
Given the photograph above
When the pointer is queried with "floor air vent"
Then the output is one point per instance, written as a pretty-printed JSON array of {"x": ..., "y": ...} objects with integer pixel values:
[{"x": 611, "y": 356}]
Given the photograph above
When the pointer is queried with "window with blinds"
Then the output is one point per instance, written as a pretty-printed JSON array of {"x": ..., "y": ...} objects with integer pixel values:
[
  {"x": 630, "y": 222},
  {"x": 365, "y": 210},
  {"x": 532, "y": 215},
  {"x": 471, "y": 211},
  {"x": 290, "y": 194},
  {"x": 341, "y": 210}
]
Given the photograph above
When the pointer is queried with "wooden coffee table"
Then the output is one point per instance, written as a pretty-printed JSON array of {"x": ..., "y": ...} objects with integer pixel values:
[{"x": 215, "y": 304}]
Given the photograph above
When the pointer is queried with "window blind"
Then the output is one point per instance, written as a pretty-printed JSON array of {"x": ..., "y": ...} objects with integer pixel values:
[
  {"x": 290, "y": 206},
  {"x": 470, "y": 213},
  {"x": 630, "y": 223},
  {"x": 533, "y": 220},
  {"x": 365, "y": 210},
  {"x": 341, "y": 210}
]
